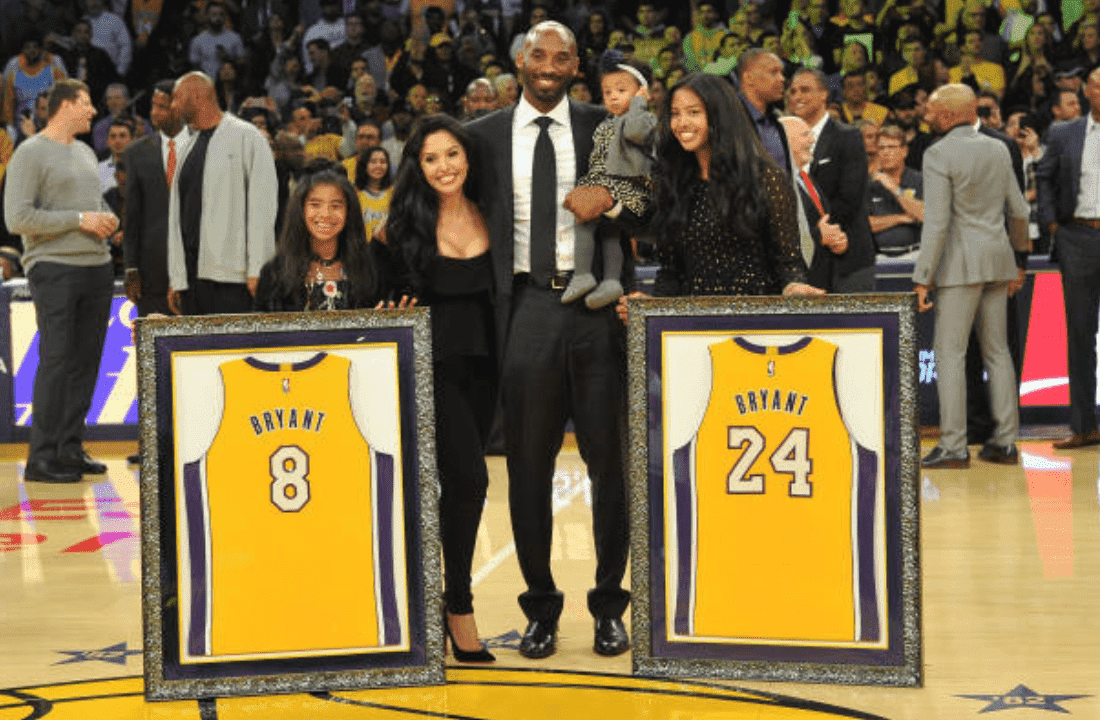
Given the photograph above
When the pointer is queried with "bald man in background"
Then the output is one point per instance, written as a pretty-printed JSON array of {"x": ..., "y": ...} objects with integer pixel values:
[
  {"x": 222, "y": 206},
  {"x": 968, "y": 256}
]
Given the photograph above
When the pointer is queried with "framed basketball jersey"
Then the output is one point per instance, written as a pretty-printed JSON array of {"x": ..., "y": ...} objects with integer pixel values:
[
  {"x": 286, "y": 535},
  {"x": 775, "y": 500}
]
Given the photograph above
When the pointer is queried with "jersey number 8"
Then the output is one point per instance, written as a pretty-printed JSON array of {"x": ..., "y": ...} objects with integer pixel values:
[{"x": 289, "y": 486}]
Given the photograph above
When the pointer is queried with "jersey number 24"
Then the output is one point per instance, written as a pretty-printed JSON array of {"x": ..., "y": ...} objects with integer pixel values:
[{"x": 790, "y": 458}]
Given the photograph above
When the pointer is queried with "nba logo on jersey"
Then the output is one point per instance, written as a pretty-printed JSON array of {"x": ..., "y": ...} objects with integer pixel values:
[{"x": 772, "y": 506}]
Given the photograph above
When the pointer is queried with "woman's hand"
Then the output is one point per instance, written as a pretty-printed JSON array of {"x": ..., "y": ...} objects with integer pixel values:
[
  {"x": 405, "y": 303},
  {"x": 797, "y": 288}
]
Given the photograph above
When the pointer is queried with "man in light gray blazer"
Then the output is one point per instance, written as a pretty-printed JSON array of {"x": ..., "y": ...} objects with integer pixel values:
[
  {"x": 967, "y": 255},
  {"x": 221, "y": 208}
]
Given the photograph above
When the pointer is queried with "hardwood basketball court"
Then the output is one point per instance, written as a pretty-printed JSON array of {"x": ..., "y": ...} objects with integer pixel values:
[{"x": 1011, "y": 581}]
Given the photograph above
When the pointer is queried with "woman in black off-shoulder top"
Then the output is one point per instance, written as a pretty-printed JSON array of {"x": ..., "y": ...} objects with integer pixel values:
[{"x": 440, "y": 248}]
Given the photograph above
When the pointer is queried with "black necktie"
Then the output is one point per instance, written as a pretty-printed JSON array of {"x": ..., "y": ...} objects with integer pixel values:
[{"x": 544, "y": 202}]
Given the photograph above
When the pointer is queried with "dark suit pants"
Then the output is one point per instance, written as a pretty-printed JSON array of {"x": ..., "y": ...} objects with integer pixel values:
[
  {"x": 209, "y": 297},
  {"x": 1079, "y": 261},
  {"x": 562, "y": 362},
  {"x": 72, "y": 305},
  {"x": 153, "y": 303}
]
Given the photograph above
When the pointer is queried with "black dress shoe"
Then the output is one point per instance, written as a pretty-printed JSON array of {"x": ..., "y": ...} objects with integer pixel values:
[
  {"x": 999, "y": 454},
  {"x": 83, "y": 463},
  {"x": 1078, "y": 440},
  {"x": 133, "y": 459},
  {"x": 940, "y": 459},
  {"x": 50, "y": 471},
  {"x": 539, "y": 640},
  {"x": 611, "y": 637}
]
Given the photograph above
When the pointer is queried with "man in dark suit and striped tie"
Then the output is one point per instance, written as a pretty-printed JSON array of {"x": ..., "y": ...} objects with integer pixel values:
[{"x": 151, "y": 162}]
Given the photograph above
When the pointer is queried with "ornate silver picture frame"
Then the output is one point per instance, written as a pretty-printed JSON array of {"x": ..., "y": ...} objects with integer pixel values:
[
  {"x": 774, "y": 489},
  {"x": 290, "y": 538}
]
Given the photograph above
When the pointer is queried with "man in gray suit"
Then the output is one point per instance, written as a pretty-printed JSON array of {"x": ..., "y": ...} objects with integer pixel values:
[{"x": 965, "y": 253}]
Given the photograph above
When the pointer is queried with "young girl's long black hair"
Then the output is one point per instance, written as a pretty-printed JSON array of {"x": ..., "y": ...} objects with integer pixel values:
[
  {"x": 736, "y": 166},
  {"x": 295, "y": 253}
]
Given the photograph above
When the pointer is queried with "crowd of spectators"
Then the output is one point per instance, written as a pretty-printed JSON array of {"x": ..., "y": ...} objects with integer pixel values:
[{"x": 331, "y": 79}]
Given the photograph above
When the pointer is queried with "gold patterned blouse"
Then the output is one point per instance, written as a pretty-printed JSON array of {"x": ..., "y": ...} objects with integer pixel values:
[
  {"x": 632, "y": 192},
  {"x": 708, "y": 258}
]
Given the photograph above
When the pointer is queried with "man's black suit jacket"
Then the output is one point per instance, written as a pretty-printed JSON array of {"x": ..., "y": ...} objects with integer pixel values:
[
  {"x": 145, "y": 220},
  {"x": 493, "y": 136},
  {"x": 839, "y": 170}
]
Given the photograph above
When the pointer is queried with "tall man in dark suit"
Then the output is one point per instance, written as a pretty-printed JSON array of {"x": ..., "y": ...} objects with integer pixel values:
[
  {"x": 839, "y": 168},
  {"x": 558, "y": 361},
  {"x": 1069, "y": 206},
  {"x": 145, "y": 221}
]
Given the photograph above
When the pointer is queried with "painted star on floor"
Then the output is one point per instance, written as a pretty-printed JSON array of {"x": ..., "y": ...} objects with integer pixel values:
[
  {"x": 116, "y": 654},
  {"x": 509, "y": 640},
  {"x": 1022, "y": 696}
]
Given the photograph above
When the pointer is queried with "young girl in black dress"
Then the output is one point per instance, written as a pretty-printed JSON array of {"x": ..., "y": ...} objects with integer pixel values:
[{"x": 322, "y": 261}]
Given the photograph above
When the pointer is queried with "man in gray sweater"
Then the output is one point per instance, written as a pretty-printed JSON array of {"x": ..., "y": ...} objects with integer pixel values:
[{"x": 53, "y": 200}]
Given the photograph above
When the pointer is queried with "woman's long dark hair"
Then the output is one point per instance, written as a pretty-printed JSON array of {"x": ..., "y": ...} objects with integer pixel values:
[
  {"x": 414, "y": 208},
  {"x": 294, "y": 253},
  {"x": 736, "y": 166},
  {"x": 362, "y": 179}
]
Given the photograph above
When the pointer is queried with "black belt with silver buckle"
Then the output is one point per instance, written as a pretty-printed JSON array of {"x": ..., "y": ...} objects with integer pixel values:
[
  {"x": 558, "y": 281},
  {"x": 896, "y": 251}
]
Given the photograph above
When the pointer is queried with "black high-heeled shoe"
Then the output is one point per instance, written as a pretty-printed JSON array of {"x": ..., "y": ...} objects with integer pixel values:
[{"x": 481, "y": 655}]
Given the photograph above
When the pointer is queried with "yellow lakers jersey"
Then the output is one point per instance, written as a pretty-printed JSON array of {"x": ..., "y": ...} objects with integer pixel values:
[
  {"x": 283, "y": 550},
  {"x": 768, "y": 544}
]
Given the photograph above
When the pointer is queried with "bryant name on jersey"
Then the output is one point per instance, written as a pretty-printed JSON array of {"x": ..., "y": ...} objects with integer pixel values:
[
  {"x": 771, "y": 400},
  {"x": 286, "y": 419}
]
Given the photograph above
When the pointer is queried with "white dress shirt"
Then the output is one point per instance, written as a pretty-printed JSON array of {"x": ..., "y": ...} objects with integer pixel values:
[
  {"x": 816, "y": 132},
  {"x": 525, "y": 131},
  {"x": 1088, "y": 195}
]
